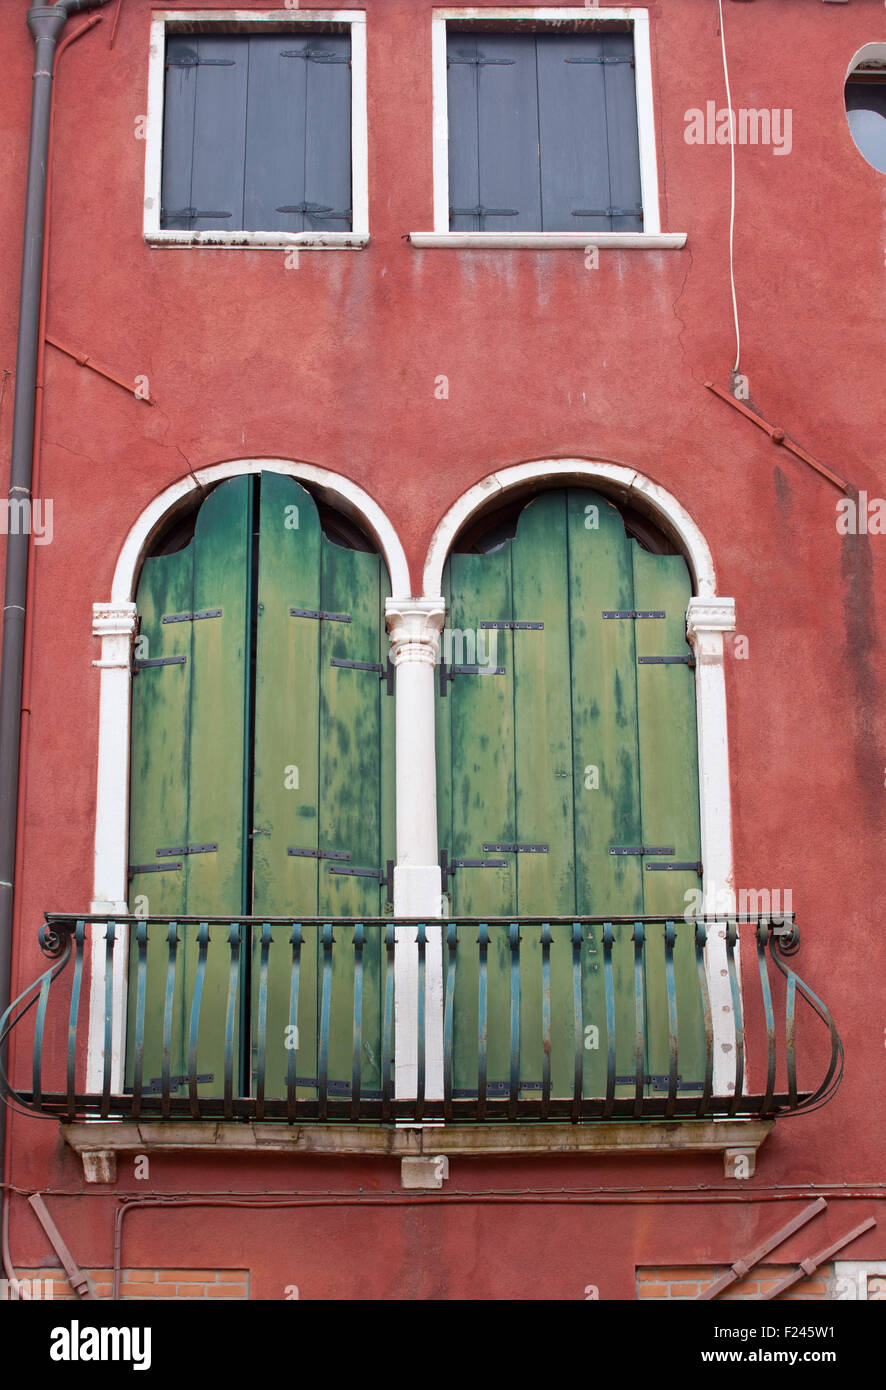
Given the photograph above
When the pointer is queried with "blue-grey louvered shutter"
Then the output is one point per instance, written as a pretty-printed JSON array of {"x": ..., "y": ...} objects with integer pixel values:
[
  {"x": 493, "y": 133},
  {"x": 275, "y": 133},
  {"x": 328, "y": 147},
  {"x": 205, "y": 122},
  {"x": 621, "y": 126}
]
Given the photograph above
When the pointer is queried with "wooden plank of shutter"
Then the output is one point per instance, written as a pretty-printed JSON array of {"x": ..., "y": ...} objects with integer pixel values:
[
  {"x": 286, "y": 764},
  {"x": 158, "y": 802},
  {"x": 464, "y": 136},
  {"x": 275, "y": 134},
  {"x": 350, "y": 793},
  {"x": 623, "y": 139},
  {"x": 604, "y": 707},
  {"x": 572, "y": 131},
  {"x": 328, "y": 135},
  {"x": 508, "y": 133},
  {"x": 220, "y": 132},
  {"x": 669, "y": 799},
  {"x": 178, "y": 130}
]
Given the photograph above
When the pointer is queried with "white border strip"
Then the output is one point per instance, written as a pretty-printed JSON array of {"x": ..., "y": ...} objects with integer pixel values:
[
  {"x": 154, "y": 235},
  {"x": 549, "y": 241}
]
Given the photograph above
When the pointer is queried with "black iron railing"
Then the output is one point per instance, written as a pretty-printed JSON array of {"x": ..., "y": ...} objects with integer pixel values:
[{"x": 294, "y": 1020}]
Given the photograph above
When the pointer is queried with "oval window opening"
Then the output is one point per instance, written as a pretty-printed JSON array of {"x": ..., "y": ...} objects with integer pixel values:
[{"x": 865, "y": 95}]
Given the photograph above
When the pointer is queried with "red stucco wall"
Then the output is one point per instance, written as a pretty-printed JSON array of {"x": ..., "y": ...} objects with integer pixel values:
[{"x": 335, "y": 363}]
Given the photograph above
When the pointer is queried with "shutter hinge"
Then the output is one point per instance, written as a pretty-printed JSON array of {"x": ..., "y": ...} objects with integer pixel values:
[
  {"x": 191, "y": 60},
  {"x": 681, "y": 864},
  {"x": 607, "y": 212},
  {"x": 384, "y": 669},
  {"x": 299, "y": 853},
  {"x": 313, "y": 55},
  {"x": 210, "y": 848},
  {"x": 666, "y": 660},
  {"x": 321, "y": 211},
  {"x": 634, "y": 613},
  {"x": 515, "y": 626},
  {"x": 448, "y": 866},
  {"x": 516, "y": 849},
  {"x": 317, "y": 612},
  {"x": 191, "y": 617},
  {"x": 607, "y": 61},
  {"x": 385, "y": 876},
  {"x": 481, "y": 211},
  {"x": 152, "y": 868},
  {"x": 641, "y": 849},
  {"x": 449, "y": 673},
  {"x": 480, "y": 62},
  {"x": 160, "y": 661}
]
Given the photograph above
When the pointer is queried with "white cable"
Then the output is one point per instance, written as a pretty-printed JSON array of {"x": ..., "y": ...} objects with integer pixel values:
[{"x": 732, "y": 195}]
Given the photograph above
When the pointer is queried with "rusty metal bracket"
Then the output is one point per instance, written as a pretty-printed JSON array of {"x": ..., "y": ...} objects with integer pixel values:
[
  {"x": 807, "y": 1267},
  {"x": 84, "y": 360},
  {"x": 778, "y": 436},
  {"x": 743, "y": 1267},
  {"x": 78, "y": 1280}
]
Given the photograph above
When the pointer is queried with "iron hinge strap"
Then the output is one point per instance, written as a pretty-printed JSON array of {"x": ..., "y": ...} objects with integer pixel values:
[
  {"x": 320, "y": 615},
  {"x": 155, "y": 1086},
  {"x": 608, "y": 61},
  {"x": 384, "y": 669},
  {"x": 607, "y": 212},
  {"x": 516, "y": 849},
  {"x": 160, "y": 661},
  {"x": 641, "y": 849},
  {"x": 515, "y": 626},
  {"x": 634, "y": 613},
  {"x": 666, "y": 660},
  {"x": 299, "y": 853},
  {"x": 449, "y": 673},
  {"x": 191, "y": 617},
  {"x": 481, "y": 62},
  {"x": 321, "y": 211},
  {"x": 152, "y": 868},
  {"x": 676, "y": 865},
  {"x": 479, "y": 210},
  {"x": 385, "y": 876},
  {"x": 313, "y": 55},
  {"x": 191, "y": 60}
]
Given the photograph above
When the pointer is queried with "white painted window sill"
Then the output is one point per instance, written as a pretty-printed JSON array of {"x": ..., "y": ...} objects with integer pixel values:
[
  {"x": 262, "y": 241},
  {"x": 550, "y": 241}
]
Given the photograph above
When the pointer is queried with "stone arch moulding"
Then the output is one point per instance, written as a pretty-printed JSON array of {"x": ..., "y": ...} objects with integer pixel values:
[
  {"x": 114, "y": 623},
  {"x": 709, "y": 618}
]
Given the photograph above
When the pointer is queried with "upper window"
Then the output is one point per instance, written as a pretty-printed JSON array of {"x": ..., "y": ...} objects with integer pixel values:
[
  {"x": 543, "y": 132},
  {"x": 256, "y": 133}
]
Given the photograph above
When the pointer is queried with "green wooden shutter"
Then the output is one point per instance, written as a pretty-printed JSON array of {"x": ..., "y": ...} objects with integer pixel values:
[
  {"x": 189, "y": 721},
  {"x": 580, "y": 747}
]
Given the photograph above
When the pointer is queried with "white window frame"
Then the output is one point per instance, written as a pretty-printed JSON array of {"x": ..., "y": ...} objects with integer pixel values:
[
  {"x": 651, "y": 238},
  {"x": 253, "y": 21}
]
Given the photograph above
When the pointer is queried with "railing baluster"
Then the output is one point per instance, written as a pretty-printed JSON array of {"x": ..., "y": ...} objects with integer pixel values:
[
  {"x": 262, "y": 1038},
  {"x": 448, "y": 1019},
  {"x": 292, "y": 1037},
  {"x": 514, "y": 1087},
  {"x": 731, "y": 939},
  {"x": 640, "y": 1015},
  {"x": 670, "y": 942},
  {"x": 545, "y": 1020},
  {"x": 359, "y": 942},
  {"x": 110, "y": 938},
  {"x": 71, "y": 1078},
  {"x": 37, "y": 1084},
  {"x": 790, "y": 1005},
  {"x": 482, "y": 1018},
  {"x": 421, "y": 939},
  {"x": 172, "y": 941},
  {"x": 578, "y": 1035},
  {"x": 609, "y": 992},
  {"x": 387, "y": 1047},
  {"x": 141, "y": 994},
  {"x": 762, "y": 939},
  {"x": 235, "y": 939},
  {"x": 701, "y": 937},
  {"x": 325, "y": 1009},
  {"x": 194, "y": 1025}
]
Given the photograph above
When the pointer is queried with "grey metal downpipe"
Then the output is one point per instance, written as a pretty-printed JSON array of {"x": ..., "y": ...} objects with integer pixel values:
[{"x": 46, "y": 23}]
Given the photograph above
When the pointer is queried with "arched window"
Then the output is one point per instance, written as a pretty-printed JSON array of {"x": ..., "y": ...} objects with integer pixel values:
[
  {"x": 567, "y": 745},
  {"x": 262, "y": 774}
]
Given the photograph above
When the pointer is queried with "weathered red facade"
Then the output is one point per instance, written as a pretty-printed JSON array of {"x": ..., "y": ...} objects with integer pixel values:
[{"x": 335, "y": 364}]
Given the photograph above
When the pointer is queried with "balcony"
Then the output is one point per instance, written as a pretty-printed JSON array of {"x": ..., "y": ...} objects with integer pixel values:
[{"x": 535, "y": 1021}]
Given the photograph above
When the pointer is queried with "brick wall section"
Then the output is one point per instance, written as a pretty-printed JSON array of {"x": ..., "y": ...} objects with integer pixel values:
[
  {"x": 687, "y": 1281},
  {"x": 152, "y": 1283}
]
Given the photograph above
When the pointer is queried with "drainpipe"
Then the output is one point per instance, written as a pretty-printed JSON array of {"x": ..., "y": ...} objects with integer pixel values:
[{"x": 46, "y": 23}]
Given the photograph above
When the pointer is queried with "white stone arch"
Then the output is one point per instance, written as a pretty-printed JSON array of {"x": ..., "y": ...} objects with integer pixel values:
[
  {"x": 114, "y": 623},
  {"x": 709, "y": 618}
]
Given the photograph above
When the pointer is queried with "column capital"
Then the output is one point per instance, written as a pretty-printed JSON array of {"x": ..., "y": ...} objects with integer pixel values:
[
  {"x": 115, "y": 624},
  {"x": 414, "y": 626},
  {"x": 707, "y": 619}
]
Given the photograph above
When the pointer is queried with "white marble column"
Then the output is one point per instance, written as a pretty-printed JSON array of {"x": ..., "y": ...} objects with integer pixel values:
[{"x": 414, "y": 625}]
